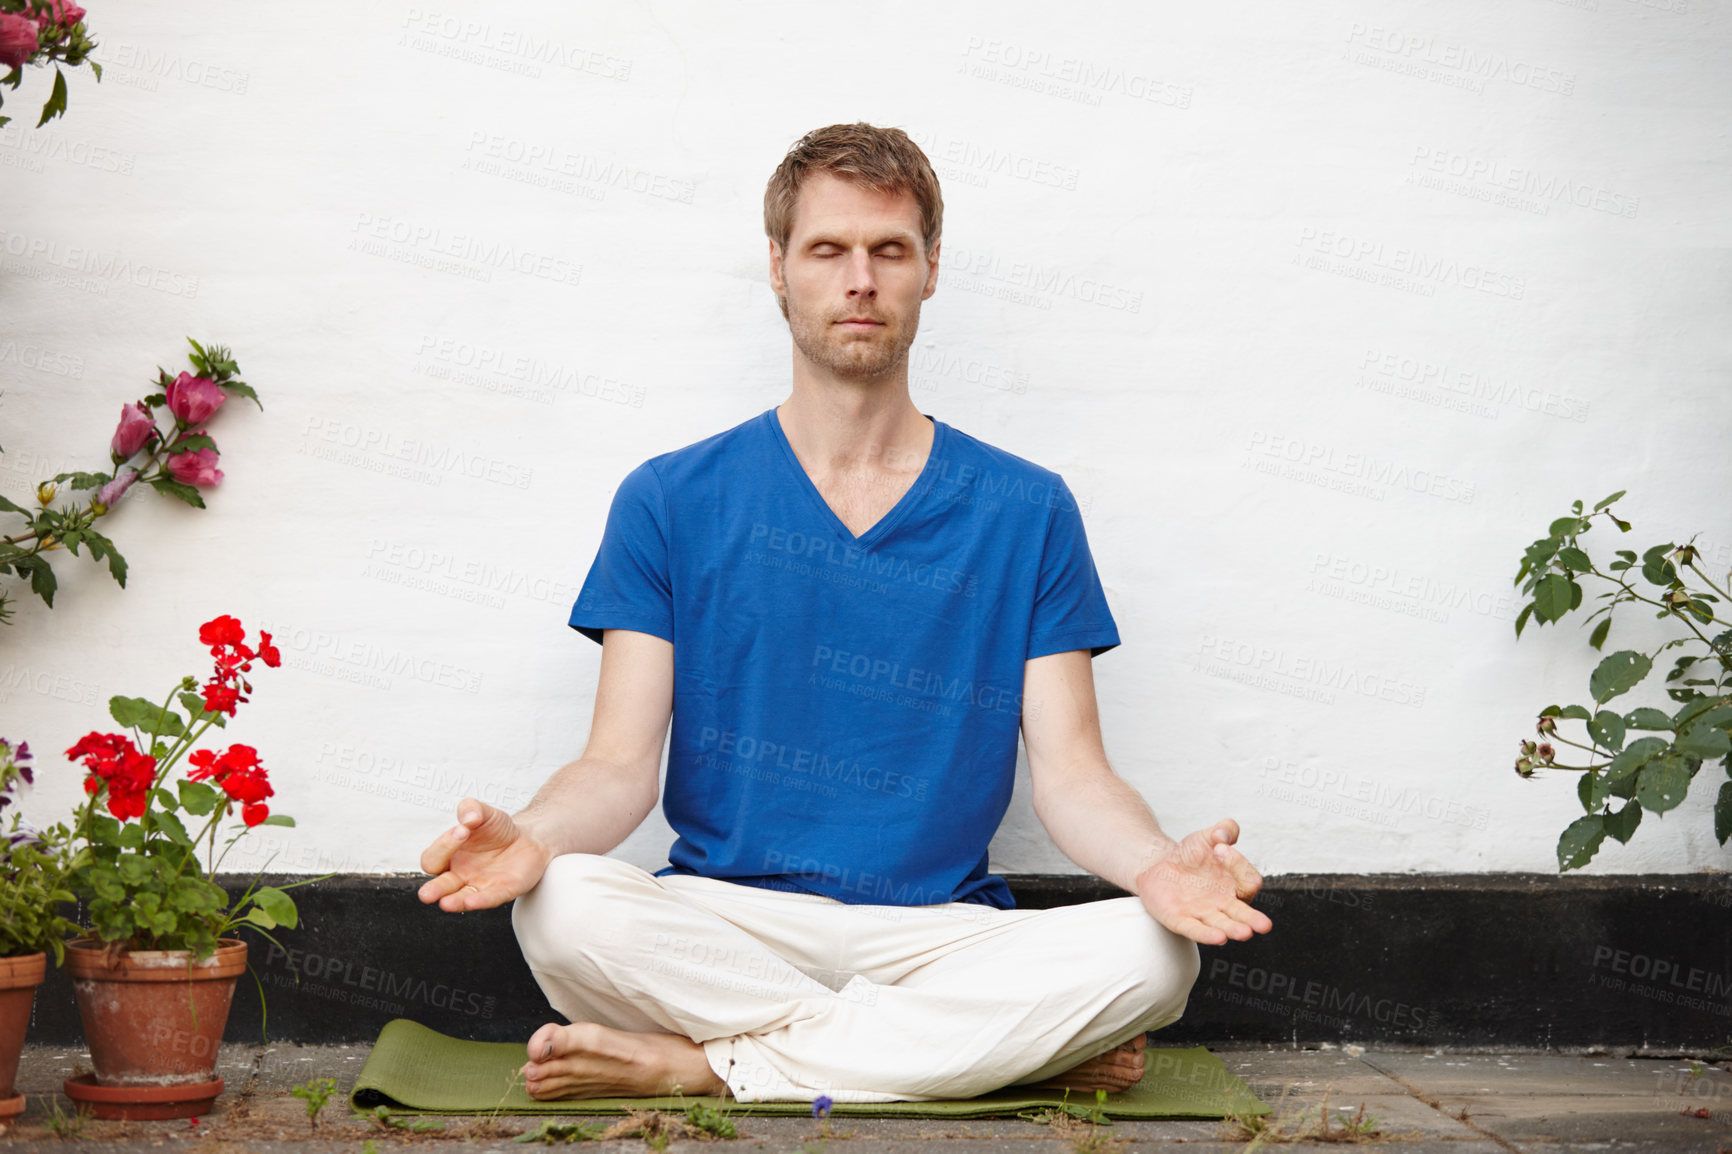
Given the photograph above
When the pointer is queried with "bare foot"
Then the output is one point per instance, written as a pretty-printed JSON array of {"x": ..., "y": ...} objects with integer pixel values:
[
  {"x": 587, "y": 1060},
  {"x": 1117, "y": 1069}
]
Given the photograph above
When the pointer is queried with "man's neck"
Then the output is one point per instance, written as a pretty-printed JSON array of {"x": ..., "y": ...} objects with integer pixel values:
[{"x": 846, "y": 428}]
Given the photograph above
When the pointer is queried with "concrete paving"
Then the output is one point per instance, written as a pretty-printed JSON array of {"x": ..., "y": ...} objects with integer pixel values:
[{"x": 1462, "y": 1103}]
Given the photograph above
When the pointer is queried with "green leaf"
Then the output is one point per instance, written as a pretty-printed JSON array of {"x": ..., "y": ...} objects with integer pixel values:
[
  {"x": 1522, "y": 617},
  {"x": 42, "y": 582},
  {"x": 1581, "y": 841},
  {"x": 1723, "y": 813},
  {"x": 1602, "y": 504},
  {"x": 1592, "y": 788},
  {"x": 192, "y": 443},
  {"x": 1698, "y": 706},
  {"x": 197, "y": 798},
  {"x": 9, "y": 507},
  {"x": 1598, "y": 637},
  {"x": 56, "y": 103},
  {"x": 148, "y": 716},
  {"x": 1571, "y": 557},
  {"x": 279, "y": 905},
  {"x": 83, "y": 480},
  {"x": 1555, "y": 596},
  {"x": 260, "y": 918},
  {"x": 242, "y": 389},
  {"x": 1636, "y": 755},
  {"x": 1719, "y": 717},
  {"x": 1564, "y": 526},
  {"x": 1663, "y": 783},
  {"x": 1618, "y": 674},
  {"x": 1647, "y": 718},
  {"x": 1701, "y": 740},
  {"x": 1622, "y": 825},
  {"x": 169, "y": 487},
  {"x": 1656, "y": 568},
  {"x": 196, "y": 712},
  {"x": 279, "y": 819},
  {"x": 1569, "y": 711},
  {"x": 1607, "y": 728}
]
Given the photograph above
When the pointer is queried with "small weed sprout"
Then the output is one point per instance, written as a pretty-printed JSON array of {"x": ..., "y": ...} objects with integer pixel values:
[{"x": 315, "y": 1093}]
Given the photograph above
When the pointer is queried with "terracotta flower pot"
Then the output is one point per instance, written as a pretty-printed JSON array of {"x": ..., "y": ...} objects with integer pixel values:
[
  {"x": 19, "y": 977},
  {"x": 154, "y": 1020}
]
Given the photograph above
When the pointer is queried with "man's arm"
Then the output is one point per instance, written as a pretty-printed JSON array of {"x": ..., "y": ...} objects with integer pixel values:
[
  {"x": 588, "y": 806},
  {"x": 1197, "y": 886}
]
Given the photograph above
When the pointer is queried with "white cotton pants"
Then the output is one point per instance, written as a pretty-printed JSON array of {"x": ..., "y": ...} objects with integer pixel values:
[{"x": 793, "y": 995}]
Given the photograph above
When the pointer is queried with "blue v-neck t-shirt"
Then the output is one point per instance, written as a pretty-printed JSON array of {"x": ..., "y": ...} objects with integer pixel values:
[{"x": 846, "y": 709}]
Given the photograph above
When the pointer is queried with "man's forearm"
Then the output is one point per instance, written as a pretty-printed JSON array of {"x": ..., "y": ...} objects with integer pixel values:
[
  {"x": 588, "y": 806},
  {"x": 1101, "y": 823}
]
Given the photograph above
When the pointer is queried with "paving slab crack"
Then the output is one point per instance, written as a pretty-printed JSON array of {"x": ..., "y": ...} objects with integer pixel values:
[{"x": 1435, "y": 1104}]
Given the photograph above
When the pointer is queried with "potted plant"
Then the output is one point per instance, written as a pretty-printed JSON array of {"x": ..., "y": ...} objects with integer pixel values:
[
  {"x": 155, "y": 972},
  {"x": 32, "y": 886},
  {"x": 1623, "y": 775}
]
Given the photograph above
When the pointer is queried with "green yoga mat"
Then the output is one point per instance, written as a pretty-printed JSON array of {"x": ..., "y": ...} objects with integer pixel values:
[{"x": 415, "y": 1070}]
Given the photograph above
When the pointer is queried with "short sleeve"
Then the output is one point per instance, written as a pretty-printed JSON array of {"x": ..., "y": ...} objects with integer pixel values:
[
  {"x": 628, "y": 586},
  {"x": 1070, "y": 607}
]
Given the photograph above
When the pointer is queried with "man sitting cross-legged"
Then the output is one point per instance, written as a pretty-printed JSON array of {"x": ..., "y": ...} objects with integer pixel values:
[{"x": 848, "y": 610}]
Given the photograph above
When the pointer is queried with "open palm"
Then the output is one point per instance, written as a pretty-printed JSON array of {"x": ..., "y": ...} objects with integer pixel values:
[
  {"x": 1201, "y": 887},
  {"x": 485, "y": 860}
]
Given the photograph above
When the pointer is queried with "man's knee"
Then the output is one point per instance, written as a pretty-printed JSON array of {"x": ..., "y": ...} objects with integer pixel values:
[
  {"x": 581, "y": 897},
  {"x": 1157, "y": 966}
]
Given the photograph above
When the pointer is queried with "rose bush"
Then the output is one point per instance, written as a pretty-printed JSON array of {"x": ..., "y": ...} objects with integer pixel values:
[
  {"x": 176, "y": 463},
  {"x": 1651, "y": 773},
  {"x": 44, "y": 32}
]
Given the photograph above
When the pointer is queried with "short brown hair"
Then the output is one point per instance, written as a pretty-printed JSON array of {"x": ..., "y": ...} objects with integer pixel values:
[{"x": 879, "y": 159}]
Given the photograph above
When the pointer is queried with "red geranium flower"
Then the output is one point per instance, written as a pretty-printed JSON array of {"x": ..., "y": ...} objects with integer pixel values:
[
  {"x": 238, "y": 772},
  {"x": 113, "y": 761}
]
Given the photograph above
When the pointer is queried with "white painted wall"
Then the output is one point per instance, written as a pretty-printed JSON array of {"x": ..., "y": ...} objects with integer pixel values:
[{"x": 1198, "y": 253}]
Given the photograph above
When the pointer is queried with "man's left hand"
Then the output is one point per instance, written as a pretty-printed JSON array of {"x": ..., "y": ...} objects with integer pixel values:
[{"x": 1201, "y": 886}]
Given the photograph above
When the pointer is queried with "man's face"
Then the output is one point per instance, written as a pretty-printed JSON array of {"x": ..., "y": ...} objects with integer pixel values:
[{"x": 853, "y": 276}]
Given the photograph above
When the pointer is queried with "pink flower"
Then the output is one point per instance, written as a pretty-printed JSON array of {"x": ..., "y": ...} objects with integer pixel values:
[
  {"x": 59, "y": 12},
  {"x": 195, "y": 468},
  {"x": 17, "y": 39},
  {"x": 136, "y": 428},
  {"x": 194, "y": 399},
  {"x": 110, "y": 493}
]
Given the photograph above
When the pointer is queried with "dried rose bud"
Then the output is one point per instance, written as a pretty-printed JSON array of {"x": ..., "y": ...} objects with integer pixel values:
[
  {"x": 1547, "y": 724},
  {"x": 1545, "y": 753},
  {"x": 1686, "y": 554},
  {"x": 1524, "y": 767},
  {"x": 1528, "y": 748}
]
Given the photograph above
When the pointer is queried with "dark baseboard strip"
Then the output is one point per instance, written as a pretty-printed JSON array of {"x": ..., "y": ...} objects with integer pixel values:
[{"x": 1460, "y": 960}]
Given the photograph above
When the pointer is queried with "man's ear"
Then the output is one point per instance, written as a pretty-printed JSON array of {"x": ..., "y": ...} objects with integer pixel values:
[
  {"x": 932, "y": 271},
  {"x": 778, "y": 284}
]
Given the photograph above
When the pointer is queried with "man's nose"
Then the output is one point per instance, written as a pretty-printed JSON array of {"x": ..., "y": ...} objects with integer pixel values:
[{"x": 861, "y": 282}]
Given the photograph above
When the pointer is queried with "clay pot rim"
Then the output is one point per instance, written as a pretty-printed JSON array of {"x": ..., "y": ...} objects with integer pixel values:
[
  {"x": 85, "y": 1088},
  {"x": 84, "y": 960},
  {"x": 19, "y": 970}
]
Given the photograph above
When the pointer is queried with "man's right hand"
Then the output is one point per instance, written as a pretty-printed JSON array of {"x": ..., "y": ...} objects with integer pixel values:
[{"x": 485, "y": 860}]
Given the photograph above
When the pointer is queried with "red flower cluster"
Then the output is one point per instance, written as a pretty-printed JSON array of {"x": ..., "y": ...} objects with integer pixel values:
[
  {"x": 227, "y": 640},
  {"x": 238, "y": 772},
  {"x": 113, "y": 760}
]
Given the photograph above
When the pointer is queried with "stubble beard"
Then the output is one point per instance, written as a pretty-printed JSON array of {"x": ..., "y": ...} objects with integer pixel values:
[{"x": 849, "y": 356}]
